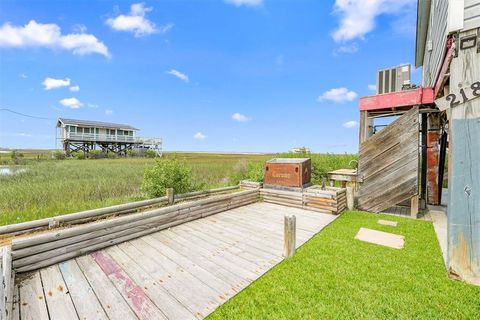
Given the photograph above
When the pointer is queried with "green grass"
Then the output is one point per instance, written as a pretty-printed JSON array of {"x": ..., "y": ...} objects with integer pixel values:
[
  {"x": 53, "y": 187},
  {"x": 334, "y": 276}
]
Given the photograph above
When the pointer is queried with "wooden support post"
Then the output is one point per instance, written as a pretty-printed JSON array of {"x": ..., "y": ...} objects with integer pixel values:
[
  {"x": 289, "y": 244},
  {"x": 171, "y": 196},
  {"x": 350, "y": 198},
  {"x": 366, "y": 126},
  {"x": 414, "y": 206},
  {"x": 464, "y": 167}
]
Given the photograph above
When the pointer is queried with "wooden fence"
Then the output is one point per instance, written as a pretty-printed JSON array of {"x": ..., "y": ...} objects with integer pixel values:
[
  {"x": 30, "y": 253},
  {"x": 96, "y": 214},
  {"x": 329, "y": 200}
]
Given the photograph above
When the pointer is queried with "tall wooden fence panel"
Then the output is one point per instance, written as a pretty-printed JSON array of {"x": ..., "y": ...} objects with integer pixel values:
[{"x": 389, "y": 163}]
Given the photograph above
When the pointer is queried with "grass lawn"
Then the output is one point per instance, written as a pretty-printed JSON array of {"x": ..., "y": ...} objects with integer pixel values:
[{"x": 334, "y": 276}]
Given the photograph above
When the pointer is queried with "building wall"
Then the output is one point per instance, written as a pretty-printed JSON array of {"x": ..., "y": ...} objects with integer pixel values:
[
  {"x": 471, "y": 17},
  {"x": 436, "y": 40}
]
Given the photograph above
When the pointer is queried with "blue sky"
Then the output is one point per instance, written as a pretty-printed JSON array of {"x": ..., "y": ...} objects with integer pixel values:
[{"x": 213, "y": 75}]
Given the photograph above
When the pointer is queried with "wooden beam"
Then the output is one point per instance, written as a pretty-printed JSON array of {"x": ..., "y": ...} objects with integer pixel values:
[{"x": 405, "y": 98}]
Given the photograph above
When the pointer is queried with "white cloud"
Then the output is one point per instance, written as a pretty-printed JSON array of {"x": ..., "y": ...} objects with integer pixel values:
[
  {"x": 350, "y": 124},
  {"x": 247, "y": 3},
  {"x": 372, "y": 87},
  {"x": 93, "y": 106},
  {"x": 240, "y": 117},
  {"x": 350, "y": 48},
  {"x": 23, "y": 76},
  {"x": 75, "y": 88},
  {"x": 179, "y": 75},
  {"x": 79, "y": 28},
  {"x": 357, "y": 17},
  {"x": 35, "y": 34},
  {"x": 51, "y": 83},
  {"x": 136, "y": 22},
  {"x": 338, "y": 95},
  {"x": 72, "y": 103},
  {"x": 199, "y": 136},
  {"x": 108, "y": 112}
]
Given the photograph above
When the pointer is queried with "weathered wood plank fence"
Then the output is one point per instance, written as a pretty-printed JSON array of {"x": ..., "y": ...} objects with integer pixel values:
[
  {"x": 49, "y": 248},
  {"x": 95, "y": 214}
]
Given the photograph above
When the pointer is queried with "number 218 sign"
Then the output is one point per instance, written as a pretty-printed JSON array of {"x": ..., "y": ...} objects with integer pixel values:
[{"x": 455, "y": 99}]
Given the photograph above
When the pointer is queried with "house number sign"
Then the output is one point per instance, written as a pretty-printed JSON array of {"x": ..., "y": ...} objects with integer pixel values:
[{"x": 463, "y": 95}]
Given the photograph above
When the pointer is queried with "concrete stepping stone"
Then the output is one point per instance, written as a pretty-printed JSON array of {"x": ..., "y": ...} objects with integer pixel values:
[
  {"x": 386, "y": 239},
  {"x": 388, "y": 223}
]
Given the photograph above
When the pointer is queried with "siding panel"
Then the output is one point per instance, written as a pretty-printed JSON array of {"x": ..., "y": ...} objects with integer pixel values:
[
  {"x": 437, "y": 34},
  {"x": 471, "y": 14}
]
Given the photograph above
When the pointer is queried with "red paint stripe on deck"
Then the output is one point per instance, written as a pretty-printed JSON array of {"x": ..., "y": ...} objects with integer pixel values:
[{"x": 140, "y": 303}]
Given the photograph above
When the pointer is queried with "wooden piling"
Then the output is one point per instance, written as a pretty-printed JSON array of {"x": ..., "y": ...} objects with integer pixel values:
[
  {"x": 170, "y": 196},
  {"x": 414, "y": 206},
  {"x": 289, "y": 244},
  {"x": 350, "y": 198}
]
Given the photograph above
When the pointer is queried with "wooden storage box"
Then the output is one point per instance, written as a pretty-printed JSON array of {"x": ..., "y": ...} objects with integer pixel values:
[{"x": 288, "y": 172}]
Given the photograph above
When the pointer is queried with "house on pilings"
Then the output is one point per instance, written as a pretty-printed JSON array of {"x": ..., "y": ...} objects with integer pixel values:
[
  {"x": 86, "y": 135},
  {"x": 438, "y": 120}
]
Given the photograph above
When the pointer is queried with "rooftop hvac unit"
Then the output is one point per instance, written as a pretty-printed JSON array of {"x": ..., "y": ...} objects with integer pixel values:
[{"x": 393, "y": 79}]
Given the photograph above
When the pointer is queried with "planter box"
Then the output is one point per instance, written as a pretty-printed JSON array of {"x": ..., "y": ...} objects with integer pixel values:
[{"x": 331, "y": 199}]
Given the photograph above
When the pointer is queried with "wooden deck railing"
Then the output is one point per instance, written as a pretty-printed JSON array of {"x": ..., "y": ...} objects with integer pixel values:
[{"x": 94, "y": 137}]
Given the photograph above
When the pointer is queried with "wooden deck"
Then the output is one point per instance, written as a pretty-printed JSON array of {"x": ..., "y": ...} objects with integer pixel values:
[{"x": 184, "y": 272}]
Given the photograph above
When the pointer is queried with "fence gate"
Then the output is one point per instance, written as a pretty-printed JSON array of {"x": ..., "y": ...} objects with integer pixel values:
[{"x": 389, "y": 163}]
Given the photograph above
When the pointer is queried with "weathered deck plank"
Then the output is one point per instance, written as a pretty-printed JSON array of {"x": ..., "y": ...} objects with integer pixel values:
[
  {"x": 110, "y": 299},
  {"x": 32, "y": 304},
  {"x": 83, "y": 297},
  {"x": 184, "y": 272},
  {"x": 59, "y": 303}
]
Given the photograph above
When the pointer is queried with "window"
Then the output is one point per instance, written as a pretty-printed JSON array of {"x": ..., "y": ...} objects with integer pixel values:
[
  {"x": 86, "y": 130},
  {"x": 71, "y": 129},
  {"x": 97, "y": 131},
  {"x": 79, "y": 130}
]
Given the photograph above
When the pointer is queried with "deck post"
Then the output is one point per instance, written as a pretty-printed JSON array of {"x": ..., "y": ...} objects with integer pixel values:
[
  {"x": 350, "y": 197},
  {"x": 289, "y": 244},
  {"x": 171, "y": 196},
  {"x": 414, "y": 206}
]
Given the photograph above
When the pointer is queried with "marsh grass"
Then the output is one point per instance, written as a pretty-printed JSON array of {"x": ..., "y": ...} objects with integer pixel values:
[{"x": 53, "y": 187}]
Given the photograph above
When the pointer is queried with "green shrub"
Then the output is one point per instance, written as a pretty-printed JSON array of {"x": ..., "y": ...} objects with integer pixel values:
[
  {"x": 110, "y": 155},
  {"x": 167, "y": 173},
  {"x": 132, "y": 153},
  {"x": 96, "y": 154},
  {"x": 17, "y": 157},
  {"x": 79, "y": 155},
  {"x": 253, "y": 171},
  {"x": 58, "y": 155},
  {"x": 149, "y": 153}
]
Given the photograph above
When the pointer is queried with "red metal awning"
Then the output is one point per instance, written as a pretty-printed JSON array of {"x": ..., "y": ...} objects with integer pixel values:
[{"x": 397, "y": 99}]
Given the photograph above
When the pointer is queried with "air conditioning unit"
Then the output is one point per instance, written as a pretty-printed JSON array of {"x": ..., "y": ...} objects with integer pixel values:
[{"x": 393, "y": 79}]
